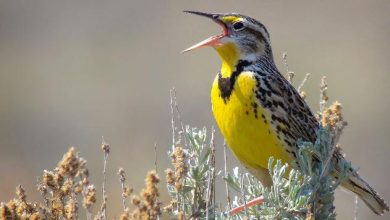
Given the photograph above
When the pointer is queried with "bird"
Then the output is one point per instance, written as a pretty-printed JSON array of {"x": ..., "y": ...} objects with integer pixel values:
[{"x": 259, "y": 113}]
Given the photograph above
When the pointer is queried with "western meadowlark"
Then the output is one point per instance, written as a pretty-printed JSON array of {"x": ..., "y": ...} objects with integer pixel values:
[{"x": 259, "y": 113}]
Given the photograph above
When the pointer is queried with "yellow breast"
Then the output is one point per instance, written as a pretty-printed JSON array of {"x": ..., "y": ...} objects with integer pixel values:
[{"x": 246, "y": 125}]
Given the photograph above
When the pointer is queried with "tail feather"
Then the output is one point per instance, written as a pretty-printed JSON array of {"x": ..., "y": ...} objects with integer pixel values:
[
  {"x": 370, "y": 197},
  {"x": 359, "y": 186}
]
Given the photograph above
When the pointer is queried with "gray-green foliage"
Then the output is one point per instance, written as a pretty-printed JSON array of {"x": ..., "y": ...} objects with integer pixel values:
[
  {"x": 285, "y": 199},
  {"x": 197, "y": 194},
  {"x": 293, "y": 195},
  {"x": 315, "y": 160}
]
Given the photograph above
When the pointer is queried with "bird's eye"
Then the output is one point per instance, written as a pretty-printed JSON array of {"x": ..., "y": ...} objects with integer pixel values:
[{"x": 238, "y": 26}]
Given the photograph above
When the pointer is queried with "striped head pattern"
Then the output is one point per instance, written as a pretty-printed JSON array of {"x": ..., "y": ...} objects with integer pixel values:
[{"x": 249, "y": 37}]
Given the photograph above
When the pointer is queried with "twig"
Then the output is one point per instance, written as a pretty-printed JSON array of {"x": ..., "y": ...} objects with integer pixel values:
[
  {"x": 226, "y": 175},
  {"x": 356, "y": 208},
  {"x": 208, "y": 196},
  {"x": 155, "y": 157},
  {"x": 256, "y": 201},
  {"x": 210, "y": 200},
  {"x": 122, "y": 178},
  {"x": 106, "y": 148},
  {"x": 172, "y": 121},
  {"x": 244, "y": 196},
  {"x": 323, "y": 94},
  {"x": 290, "y": 74},
  {"x": 303, "y": 82},
  {"x": 179, "y": 115},
  {"x": 327, "y": 162}
]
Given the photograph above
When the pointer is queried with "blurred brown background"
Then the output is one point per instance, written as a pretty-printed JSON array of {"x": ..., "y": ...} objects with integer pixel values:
[{"x": 72, "y": 71}]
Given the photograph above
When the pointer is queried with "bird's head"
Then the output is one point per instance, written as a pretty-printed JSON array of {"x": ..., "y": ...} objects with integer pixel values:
[{"x": 242, "y": 38}]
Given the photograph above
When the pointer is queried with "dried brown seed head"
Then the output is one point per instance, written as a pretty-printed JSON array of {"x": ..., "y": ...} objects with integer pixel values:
[
  {"x": 89, "y": 197},
  {"x": 170, "y": 176},
  {"x": 71, "y": 209},
  {"x": 136, "y": 200}
]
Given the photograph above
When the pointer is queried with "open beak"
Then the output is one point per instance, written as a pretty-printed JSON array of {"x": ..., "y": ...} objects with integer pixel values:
[{"x": 213, "y": 40}]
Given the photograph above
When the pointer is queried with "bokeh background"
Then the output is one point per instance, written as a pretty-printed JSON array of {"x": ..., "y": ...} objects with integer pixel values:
[{"x": 73, "y": 71}]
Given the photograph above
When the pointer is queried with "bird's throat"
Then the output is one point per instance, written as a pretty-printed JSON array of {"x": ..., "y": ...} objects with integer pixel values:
[
  {"x": 229, "y": 56},
  {"x": 231, "y": 68}
]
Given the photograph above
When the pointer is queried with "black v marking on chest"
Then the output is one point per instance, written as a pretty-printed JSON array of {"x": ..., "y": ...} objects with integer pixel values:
[{"x": 226, "y": 85}]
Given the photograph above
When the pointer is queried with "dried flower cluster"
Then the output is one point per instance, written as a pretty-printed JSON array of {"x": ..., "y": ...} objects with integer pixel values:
[
  {"x": 71, "y": 209},
  {"x": 332, "y": 115},
  {"x": 61, "y": 186},
  {"x": 170, "y": 207},
  {"x": 179, "y": 163},
  {"x": 59, "y": 189},
  {"x": 89, "y": 197},
  {"x": 19, "y": 208},
  {"x": 125, "y": 215},
  {"x": 72, "y": 165},
  {"x": 67, "y": 186},
  {"x": 147, "y": 205},
  {"x": 303, "y": 94}
]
